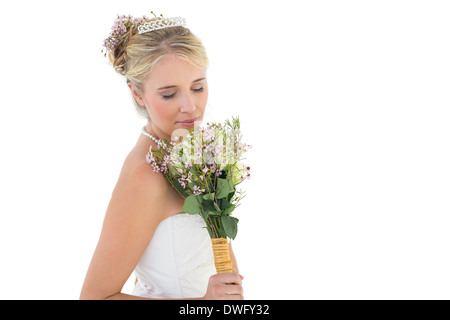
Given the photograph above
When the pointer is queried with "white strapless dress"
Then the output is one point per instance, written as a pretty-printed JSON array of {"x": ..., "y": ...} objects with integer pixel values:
[{"x": 178, "y": 261}]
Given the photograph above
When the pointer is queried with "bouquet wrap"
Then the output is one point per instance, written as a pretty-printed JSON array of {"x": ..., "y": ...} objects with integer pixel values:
[{"x": 221, "y": 251}]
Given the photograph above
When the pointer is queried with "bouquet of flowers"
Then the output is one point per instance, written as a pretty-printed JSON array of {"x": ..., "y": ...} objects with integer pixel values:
[{"x": 205, "y": 167}]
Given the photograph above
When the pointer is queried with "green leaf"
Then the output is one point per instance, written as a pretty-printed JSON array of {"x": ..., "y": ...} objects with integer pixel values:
[
  {"x": 224, "y": 203},
  {"x": 208, "y": 205},
  {"x": 209, "y": 196},
  {"x": 230, "y": 195},
  {"x": 192, "y": 204},
  {"x": 230, "y": 182},
  {"x": 204, "y": 215},
  {"x": 223, "y": 188},
  {"x": 230, "y": 226},
  {"x": 178, "y": 186},
  {"x": 228, "y": 210}
]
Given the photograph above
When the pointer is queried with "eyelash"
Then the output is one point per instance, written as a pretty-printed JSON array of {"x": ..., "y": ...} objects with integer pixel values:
[{"x": 200, "y": 90}]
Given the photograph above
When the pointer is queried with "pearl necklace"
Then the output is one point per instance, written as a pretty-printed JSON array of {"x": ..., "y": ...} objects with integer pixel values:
[
  {"x": 159, "y": 142},
  {"x": 145, "y": 133}
]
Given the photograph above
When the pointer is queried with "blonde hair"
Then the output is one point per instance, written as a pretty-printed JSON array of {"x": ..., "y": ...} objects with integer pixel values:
[{"x": 136, "y": 54}]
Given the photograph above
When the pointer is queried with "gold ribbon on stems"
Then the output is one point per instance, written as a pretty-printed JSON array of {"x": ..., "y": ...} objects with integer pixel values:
[{"x": 221, "y": 251}]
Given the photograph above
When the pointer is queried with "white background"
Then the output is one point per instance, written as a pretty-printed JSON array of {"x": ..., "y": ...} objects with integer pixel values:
[{"x": 346, "y": 104}]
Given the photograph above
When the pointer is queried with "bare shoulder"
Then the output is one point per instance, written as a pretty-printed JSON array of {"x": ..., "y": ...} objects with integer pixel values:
[
  {"x": 139, "y": 188},
  {"x": 136, "y": 173}
]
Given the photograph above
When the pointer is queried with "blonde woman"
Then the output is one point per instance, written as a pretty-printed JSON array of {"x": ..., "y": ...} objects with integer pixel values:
[{"x": 145, "y": 230}]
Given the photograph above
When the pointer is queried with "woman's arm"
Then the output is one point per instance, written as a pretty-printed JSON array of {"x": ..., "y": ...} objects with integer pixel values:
[
  {"x": 233, "y": 260},
  {"x": 132, "y": 216}
]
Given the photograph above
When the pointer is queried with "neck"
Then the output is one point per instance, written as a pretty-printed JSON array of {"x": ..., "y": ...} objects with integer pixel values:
[{"x": 157, "y": 133}]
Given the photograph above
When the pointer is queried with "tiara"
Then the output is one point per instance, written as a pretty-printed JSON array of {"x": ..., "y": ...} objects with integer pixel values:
[
  {"x": 161, "y": 24},
  {"x": 124, "y": 23}
]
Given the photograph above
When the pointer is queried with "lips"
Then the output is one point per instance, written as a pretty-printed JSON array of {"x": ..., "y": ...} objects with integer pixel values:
[{"x": 187, "y": 121}]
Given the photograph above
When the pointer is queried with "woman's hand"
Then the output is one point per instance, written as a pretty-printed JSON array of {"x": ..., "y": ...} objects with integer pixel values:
[{"x": 225, "y": 286}]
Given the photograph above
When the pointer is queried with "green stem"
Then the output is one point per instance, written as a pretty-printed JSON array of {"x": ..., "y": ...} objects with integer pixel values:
[{"x": 213, "y": 233}]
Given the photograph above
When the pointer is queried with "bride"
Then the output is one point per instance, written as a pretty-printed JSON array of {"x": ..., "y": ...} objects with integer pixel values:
[{"x": 145, "y": 230}]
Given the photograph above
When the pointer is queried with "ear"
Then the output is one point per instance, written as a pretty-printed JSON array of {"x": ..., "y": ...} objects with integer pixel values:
[{"x": 136, "y": 94}]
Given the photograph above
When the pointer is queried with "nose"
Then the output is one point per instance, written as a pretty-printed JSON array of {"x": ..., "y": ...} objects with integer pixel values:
[{"x": 188, "y": 104}]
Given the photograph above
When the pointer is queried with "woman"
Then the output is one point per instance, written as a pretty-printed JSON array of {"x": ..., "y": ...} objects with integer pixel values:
[{"x": 144, "y": 228}]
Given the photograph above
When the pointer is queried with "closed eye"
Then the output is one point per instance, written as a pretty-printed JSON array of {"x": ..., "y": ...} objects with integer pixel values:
[
  {"x": 199, "y": 90},
  {"x": 168, "y": 97}
]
